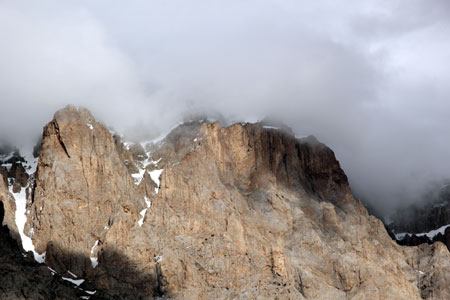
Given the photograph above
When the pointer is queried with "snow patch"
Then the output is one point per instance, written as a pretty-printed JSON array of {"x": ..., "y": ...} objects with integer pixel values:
[
  {"x": 137, "y": 177},
  {"x": 89, "y": 124},
  {"x": 147, "y": 201},
  {"x": 270, "y": 127},
  {"x": 90, "y": 292},
  {"x": 21, "y": 219},
  {"x": 141, "y": 220},
  {"x": 77, "y": 282},
  {"x": 142, "y": 213},
  {"x": 155, "y": 175},
  {"x": 51, "y": 270},
  {"x": 161, "y": 137},
  {"x": 73, "y": 275},
  {"x": 127, "y": 145},
  {"x": 94, "y": 260},
  {"x": 431, "y": 234},
  {"x": 6, "y": 157}
]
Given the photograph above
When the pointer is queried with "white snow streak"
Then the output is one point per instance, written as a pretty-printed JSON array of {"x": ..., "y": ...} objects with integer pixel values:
[
  {"x": 94, "y": 260},
  {"x": 142, "y": 213},
  {"x": 90, "y": 292},
  {"x": 161, "y": 137},
  {"x": 137, "y": 177},
  {"x": 155, "y": 175},
  {"x": 77, "y": 282},
  {"x": 51, "y": 270},
  {"x": 21, "y": 219},
  {"x": 431, "y": 234},
  {"x": 20, "y": 214},
  {"x": 73, "y": 275}
]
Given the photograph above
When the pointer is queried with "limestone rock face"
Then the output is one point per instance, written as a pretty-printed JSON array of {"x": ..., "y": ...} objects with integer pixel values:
[
  {"x": 21, "y": 277},
  {"x": 242, "y": 212},
  {"x": 82, "y": 191},
  {"x": 246, "y": 215}
]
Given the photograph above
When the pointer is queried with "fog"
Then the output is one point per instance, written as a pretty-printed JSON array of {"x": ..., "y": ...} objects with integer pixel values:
[{"x": 368, "y": 78}]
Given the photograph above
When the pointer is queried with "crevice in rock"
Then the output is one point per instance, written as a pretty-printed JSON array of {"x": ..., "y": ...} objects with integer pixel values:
[
  {"x": 55, "y": 123},
  {"x": 300, "y": 285}
]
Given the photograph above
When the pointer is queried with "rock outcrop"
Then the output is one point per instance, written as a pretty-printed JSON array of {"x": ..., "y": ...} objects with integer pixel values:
[
  {"x": 83, "y": 192},
  {"x": 20, "y": 276},
  {"x": 241, "y": 212}
]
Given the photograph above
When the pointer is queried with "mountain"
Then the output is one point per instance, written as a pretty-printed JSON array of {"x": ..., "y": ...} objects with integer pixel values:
[
  {"x": 425, "y": 222},
  {"x": 21, "y": 277},
  {"x": 246, "y": 211}
]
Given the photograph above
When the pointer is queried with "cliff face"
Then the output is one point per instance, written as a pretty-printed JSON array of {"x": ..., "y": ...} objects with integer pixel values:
[
  {"x": 242, "y": 212},
  {"x": 251, "y": 208},
  {"x": 20, "y": 276},
  {"x": 82, "y": 188}
]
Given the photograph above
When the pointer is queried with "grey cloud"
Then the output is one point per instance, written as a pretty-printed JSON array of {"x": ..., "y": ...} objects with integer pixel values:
[{"x": 369, "y": 78}]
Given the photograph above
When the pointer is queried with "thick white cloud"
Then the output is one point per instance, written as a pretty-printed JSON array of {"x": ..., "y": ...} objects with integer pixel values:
[{"x": 369, "y": 78}]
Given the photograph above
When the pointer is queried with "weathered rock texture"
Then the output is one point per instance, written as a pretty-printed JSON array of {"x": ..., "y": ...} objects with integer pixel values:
[
  {"x": 243, "y": 212},
  {"x": 83, "y": 192},
  {"x": 21, "y": 277}
]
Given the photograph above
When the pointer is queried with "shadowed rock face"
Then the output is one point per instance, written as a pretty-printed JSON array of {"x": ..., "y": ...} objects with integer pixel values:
[
  {"x": 424, "y": 218},
  {"x": 242, "y": 212},
  {"x": 21, "y": 277}
]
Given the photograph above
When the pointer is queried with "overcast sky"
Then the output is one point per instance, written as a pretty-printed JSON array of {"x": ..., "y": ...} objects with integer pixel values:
[{"x": 369, "y": 78}]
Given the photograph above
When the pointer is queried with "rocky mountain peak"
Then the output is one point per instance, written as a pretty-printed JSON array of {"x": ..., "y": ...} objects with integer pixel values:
[{"x": 209, "y": 212}]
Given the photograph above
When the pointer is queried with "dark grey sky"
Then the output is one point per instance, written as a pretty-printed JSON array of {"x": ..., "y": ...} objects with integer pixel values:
[{"x": 369, "y": 78}]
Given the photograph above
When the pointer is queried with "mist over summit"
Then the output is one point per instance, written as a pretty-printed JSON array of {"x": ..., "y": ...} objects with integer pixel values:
[
  {"x": 200, "y": 212},
  {"x": 366, "y": 78},
  {"x": 225, "y": 149}
]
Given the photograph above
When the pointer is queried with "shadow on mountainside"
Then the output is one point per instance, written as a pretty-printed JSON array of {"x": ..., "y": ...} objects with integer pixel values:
[{"x": 21, "y": 277}]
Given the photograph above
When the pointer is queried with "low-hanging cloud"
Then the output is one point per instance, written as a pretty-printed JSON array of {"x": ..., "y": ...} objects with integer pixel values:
[{"x": 369, "y": 78}]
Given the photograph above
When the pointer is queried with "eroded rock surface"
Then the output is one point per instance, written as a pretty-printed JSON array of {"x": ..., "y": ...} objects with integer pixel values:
[
  {"x": 242, "y": 212},
  {"x": 20, "y": 276}
]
